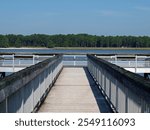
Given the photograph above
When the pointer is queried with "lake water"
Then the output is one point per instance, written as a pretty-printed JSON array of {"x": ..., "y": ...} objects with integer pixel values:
[{"x": 87, "y": 51}]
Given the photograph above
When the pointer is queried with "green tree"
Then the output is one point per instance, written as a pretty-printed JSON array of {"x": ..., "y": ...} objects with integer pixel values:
[
  {"x": 18, "y": 43},
  {"x": 3, "y": 41}
]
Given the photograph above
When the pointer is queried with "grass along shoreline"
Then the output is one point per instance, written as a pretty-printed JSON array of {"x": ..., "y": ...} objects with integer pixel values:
[
  {"x": 81, "y": 48},
  {"x": 100, "y": 48}
]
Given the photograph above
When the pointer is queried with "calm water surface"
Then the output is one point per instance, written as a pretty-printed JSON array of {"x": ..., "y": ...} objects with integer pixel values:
[{"x": 48, "y": 51}]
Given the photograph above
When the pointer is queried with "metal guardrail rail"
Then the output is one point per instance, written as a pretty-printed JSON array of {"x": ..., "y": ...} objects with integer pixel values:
[
  {"x": 23, "y": 91},
  {"x": 75, "y": 60},
  {"x": 135, "y": 62},
  {"x": 13, "y": 61},
  {"x": 125, "y": 91}
]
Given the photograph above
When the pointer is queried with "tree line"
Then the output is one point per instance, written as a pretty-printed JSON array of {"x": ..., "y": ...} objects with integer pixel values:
[{"x": 72, "y": 40}]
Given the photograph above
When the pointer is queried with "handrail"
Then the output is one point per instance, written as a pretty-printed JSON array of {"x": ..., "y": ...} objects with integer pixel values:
[
  {"x": 24, "y": 90},
  {"x": 126, "y": 91}
]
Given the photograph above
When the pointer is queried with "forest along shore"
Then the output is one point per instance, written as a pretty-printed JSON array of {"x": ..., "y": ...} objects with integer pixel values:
[{"x": 73, "y": 40}]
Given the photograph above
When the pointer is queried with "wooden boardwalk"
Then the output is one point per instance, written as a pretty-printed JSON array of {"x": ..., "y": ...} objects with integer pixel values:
[{"x": 73, "y": 92}]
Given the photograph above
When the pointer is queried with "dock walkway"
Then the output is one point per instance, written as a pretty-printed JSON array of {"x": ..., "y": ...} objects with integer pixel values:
[{"x": 75, "y": 91}]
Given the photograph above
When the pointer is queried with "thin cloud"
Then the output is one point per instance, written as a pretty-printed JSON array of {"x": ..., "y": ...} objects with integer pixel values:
[{"x": 142, "y": 8}]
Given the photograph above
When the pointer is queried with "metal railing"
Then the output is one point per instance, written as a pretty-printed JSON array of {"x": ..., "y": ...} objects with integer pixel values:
[
  {"x": 75, "y": 60},
  {"x": 129, "y": 62},
  {"x": 24, "y": 61},
  {"x": 24, "y": 91},
  {"x": 125, "y": 91}
]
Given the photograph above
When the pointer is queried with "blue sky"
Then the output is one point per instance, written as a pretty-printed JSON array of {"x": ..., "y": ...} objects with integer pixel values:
[{"x": 98, "y": 17}]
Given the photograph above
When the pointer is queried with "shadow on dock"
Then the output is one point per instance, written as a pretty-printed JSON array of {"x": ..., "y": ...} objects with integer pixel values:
[{"x": 101, "y": 101}]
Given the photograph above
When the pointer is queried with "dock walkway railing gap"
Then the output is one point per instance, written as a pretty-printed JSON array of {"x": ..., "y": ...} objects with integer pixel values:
[
  {"x": 124, "y": 90},
  {"x": 23, "y": 91}
]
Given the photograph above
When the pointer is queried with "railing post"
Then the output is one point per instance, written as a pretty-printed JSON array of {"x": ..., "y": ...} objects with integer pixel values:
[
  {"x": 33, "y": 62},
  {"x": 115, "y": 59},
  {"x": 74, "y": 60},
  {"x": 13, "y": 63},
  {"x": 129, "y": 63},
  {"x": 136, "y": 64}
]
